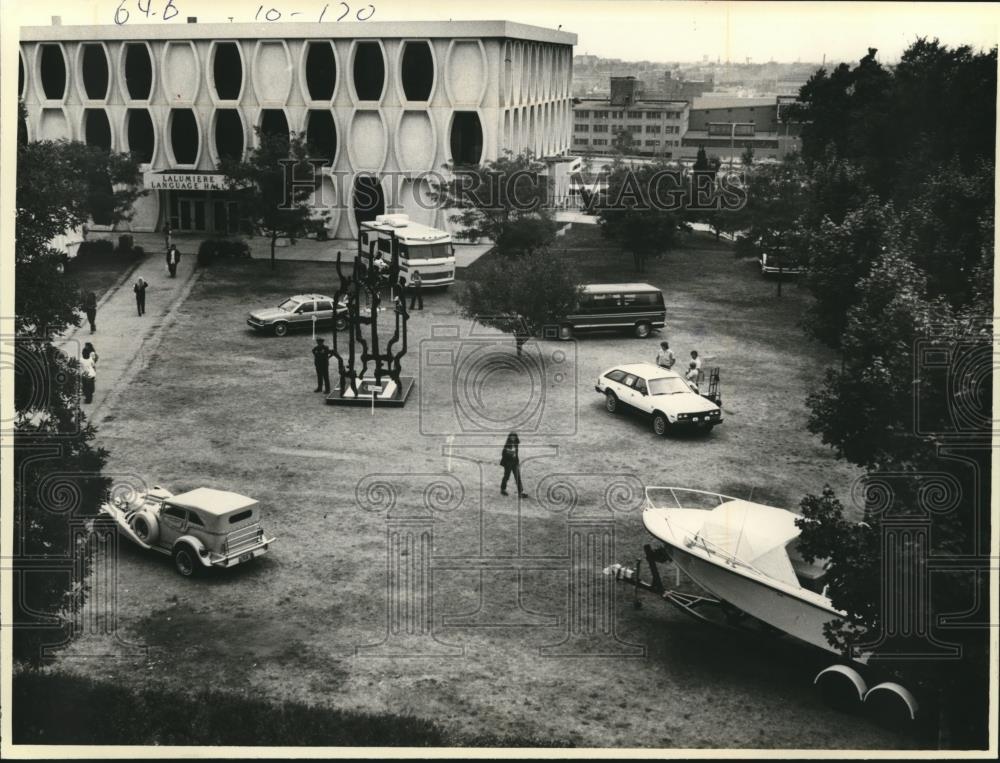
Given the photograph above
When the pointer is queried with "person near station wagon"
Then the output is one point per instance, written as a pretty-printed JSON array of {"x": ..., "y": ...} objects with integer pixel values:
[
  {"x": 697, "y": 364},
  {"x": 321, "y": 359},
  {"x": 691, "y": 377},
  {"x": 416, "y": 297},
  {"x": 173, "y": 257},
  {"x": 510, "y": 460},
  {"x": 665, "y": 357},
  {"x": 140, "y": 294}
]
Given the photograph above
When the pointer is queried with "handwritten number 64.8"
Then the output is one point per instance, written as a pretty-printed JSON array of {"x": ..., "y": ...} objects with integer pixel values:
[{"x": 168, "y": 11}]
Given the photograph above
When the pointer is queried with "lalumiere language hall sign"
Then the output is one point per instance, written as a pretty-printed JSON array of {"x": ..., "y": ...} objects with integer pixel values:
[{"x": 184, "y": 181}]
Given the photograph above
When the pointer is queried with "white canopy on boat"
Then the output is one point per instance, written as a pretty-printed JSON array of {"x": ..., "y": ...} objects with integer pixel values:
[{"x": 753, "y": 534}]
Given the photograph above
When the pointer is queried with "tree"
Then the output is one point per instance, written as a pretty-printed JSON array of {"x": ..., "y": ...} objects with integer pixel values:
[
  {"x": 274, "y": 186},
  {"x": 58, "y": 481},
  {"x": 56, "y": 192},
  {"x": 505, "y": 201},
  {"x": 644, "y": 209},
  {"x": 747, "y": 157},
  {"x": 521, "y": 296}
]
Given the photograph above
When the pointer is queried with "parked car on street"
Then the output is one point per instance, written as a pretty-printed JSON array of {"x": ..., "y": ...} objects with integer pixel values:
[
  {"x": 779, "y": 263},
  {"x": 633, "y": 307},
  {"x": 658, "y": 393},
  {"x": 200, "y": 528},
  {"x": 299, "y": 312}
]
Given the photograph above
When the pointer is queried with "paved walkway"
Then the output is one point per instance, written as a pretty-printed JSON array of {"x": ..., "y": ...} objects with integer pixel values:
[
  {"x": 306, "y": 250},
  {"x": 124, "y": 341}
]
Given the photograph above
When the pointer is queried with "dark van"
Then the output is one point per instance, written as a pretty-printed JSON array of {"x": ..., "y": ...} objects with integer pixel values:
[{"x": 636, "y": 307}]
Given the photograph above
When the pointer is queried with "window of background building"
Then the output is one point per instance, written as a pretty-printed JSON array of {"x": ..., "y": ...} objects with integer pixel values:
[
  {"x": 652, "y": 128},
  {"x": 635, "y": 115},
  {"x": 138, "y": 71},
  {"x": 617, "y": 114},
  {"x": 744, "y": 130},
  {"x": 634, "y": 128},
  {"x": 583, "y": 128},
  {"x": 581, "y": 141},
  {"x": 601, "y": 114},
  {"x": 653, "y": 114},
  {"x": 600, "y": 128},
  {"x": 418, "y": 71},
  {"x": 584, "y": 113},
  {"x": 95, "y": 72},
  {"x": 600, "y": 142},
  {"x": 321, "y": 71}
]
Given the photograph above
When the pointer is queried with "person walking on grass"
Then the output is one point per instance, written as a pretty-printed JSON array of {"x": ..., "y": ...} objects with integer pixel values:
[
  {"x": 140, "y": 295},
  {"x": 416, "y": 297},
  {"x": 90, "y": 308},
  {"x": 321, "y": 359},
  {"x": 88, "y": 371},
  {"x": 173, "y": 257},
  {"x": 511, "y": 463}
]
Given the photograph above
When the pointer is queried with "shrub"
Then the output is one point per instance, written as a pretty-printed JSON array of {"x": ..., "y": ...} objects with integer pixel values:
[
  {"x": 125, "y": 243},
  {"x": 100, "y": 247},
  {"x": 212, "y": 248},
  {"x": 138, "y": 251},
  {"x": 207, "y": 252}
]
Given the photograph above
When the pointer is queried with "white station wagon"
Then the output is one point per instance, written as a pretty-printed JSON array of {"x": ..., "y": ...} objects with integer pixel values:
[
  {"x": 200, "y": 528},
  {"x": 659, "y": 393}
]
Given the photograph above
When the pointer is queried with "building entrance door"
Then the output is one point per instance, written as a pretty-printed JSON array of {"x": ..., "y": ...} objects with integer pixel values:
[{"x": 190, "y": 214}]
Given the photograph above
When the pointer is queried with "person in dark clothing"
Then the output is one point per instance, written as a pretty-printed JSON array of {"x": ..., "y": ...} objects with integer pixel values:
[
  {"x": 416, "y": 297},
  {"x": 321, "y": 359},
  {"x": 173, "y": 257},
  {"x": 511, "y": 463},
  {"x": 90, "y": 308},
  {"x": 140, "y": 295}
]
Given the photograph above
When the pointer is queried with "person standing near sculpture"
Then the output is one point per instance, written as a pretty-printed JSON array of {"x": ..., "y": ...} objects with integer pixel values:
[
  {"x": 321, "y": 359},
  {"x": 416, "y": 297}
]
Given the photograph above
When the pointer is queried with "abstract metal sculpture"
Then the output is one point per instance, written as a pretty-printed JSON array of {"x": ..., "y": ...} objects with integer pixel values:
[{"x": 369, "y": 375}]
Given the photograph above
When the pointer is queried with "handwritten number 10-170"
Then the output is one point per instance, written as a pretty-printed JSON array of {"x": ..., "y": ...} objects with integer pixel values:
[{"x": 363, "y": 14}]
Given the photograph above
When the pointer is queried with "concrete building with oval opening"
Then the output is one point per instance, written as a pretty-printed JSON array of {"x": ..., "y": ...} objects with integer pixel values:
[{"x": 378, "y": 100}]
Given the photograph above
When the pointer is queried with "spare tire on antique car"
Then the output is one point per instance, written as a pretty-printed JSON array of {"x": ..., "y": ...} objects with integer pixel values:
[{"x": 146, "y": 527}]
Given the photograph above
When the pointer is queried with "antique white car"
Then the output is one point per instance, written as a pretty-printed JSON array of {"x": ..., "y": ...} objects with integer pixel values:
[
  {"x": 660, "y": 393},
  {"x": 200, "y": 528}
]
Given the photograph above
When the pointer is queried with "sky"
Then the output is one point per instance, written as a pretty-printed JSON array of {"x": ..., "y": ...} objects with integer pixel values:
[{"x": 656, "y": 30}]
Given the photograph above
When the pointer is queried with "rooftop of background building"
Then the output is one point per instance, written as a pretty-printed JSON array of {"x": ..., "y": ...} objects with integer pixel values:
[
  {"x": 731, "y": 102},
  {"x": 297, "y": 30}
]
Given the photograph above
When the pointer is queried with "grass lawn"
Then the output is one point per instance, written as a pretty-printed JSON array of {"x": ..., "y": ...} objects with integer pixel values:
[
  {"x": 498, "y": 626},
  {"x": 100, "y": 273}
]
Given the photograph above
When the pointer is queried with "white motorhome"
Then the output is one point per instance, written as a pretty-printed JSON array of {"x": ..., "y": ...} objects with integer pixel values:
[{"x": 420, "y": 247}]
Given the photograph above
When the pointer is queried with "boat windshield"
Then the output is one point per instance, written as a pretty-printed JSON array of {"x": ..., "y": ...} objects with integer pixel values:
[{"x": 667, "y": 385}]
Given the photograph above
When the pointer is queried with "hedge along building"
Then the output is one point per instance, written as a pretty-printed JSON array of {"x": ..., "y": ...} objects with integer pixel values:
[{"x": 378, "y": 99}]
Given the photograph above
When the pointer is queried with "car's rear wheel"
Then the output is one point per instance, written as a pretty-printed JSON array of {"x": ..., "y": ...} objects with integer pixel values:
[
  {"x": 280, "y": 329},
  {"x": 611, "y": 401},
  {"x": 642, "y": 330},
  {"x": 565, "y": 332},
  {"x": 660, "y": 424},
  {"x": 341, "y": 323},
  {"x": 185, "y": 561}
]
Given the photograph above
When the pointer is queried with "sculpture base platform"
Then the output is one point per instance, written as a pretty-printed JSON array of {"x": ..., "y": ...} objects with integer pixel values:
[{"x": 395, "y": 394}]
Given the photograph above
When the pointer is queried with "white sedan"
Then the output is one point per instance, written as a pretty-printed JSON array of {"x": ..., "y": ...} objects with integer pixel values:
[{"x": 659, "y": 393}]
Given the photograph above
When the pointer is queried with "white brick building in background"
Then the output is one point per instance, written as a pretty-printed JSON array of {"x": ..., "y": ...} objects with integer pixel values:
[{"x": 379, "y": 97}]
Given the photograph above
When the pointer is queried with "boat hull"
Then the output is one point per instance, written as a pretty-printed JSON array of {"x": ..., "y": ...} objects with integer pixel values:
[{"x": 792, "y": 615}]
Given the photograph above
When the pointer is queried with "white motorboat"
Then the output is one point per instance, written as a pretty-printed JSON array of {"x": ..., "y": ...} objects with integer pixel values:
[{"x": 745, "y": 554}]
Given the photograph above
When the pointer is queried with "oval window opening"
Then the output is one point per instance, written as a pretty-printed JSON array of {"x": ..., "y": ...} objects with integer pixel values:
[
  {"x": 418, "y": 71},
  {"x": 140, "y": 135},
  {"x": 368, "y": 199},
  {"x": 466, "y": 138},
  {"x": 321, "y": 71},
  {"x": 184, "y": 136},
  {"x": 53, "y": 72},
  {"x": 369, "y": 71},
  {"x": 20, "y": 76},
  {"x": 227, "y": 71},
  {"x": 228, "y": 134},
  {"x": 95, "y": 72},
  {"x": 274, "y": 125},
  {"x": 138, "y": 71},
  {"x": 321, "y": 136},
  {"x": 97, "y": 129}
]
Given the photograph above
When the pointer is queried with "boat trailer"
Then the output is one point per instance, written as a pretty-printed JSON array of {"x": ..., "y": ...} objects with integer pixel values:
[{"x": 698, "y": 606}]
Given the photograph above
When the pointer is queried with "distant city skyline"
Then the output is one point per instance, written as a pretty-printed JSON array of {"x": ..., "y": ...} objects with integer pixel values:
[{"x": 634, "y": 30}]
